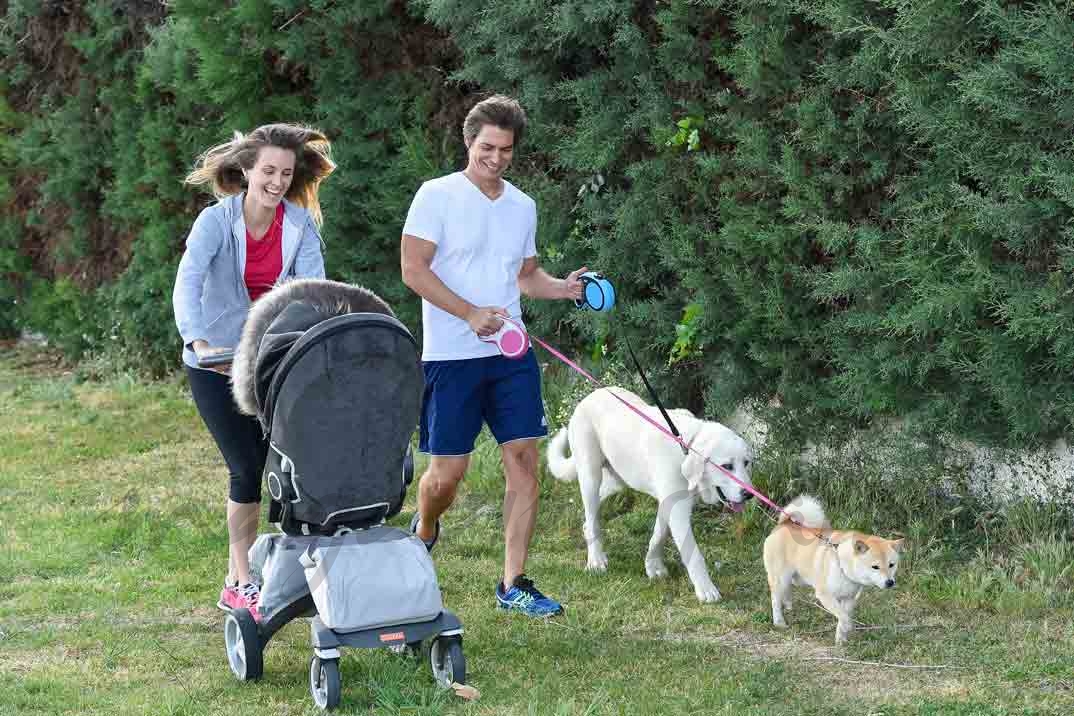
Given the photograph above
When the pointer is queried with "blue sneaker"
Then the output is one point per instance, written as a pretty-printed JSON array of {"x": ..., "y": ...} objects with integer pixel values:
[{"x": 524, "y": 597}]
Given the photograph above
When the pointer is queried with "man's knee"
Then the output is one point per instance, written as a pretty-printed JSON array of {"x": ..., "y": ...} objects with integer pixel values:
[
  {"x": 520, "y": 470},
  {"x": 521, "y": 456},
  {"x": 444, "y": 474}
]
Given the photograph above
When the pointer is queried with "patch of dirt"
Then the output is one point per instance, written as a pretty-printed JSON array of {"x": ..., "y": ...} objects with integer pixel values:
[
  {"x": 24, "y": 662},
  {"x": 34, "y": 361},
  {"x": 868, "y": 681},
  {"x": 204, "y": 617}
]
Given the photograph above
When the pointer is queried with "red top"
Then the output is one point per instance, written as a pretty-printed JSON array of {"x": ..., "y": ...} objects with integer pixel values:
[{"x": 264, "y": 257}]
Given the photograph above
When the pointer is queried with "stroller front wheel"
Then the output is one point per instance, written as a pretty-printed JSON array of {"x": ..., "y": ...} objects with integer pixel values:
[
  {"x": 448, "y": 662},
  {"x": 243, "y": 645},
  {"x": 324, "y": 682}
]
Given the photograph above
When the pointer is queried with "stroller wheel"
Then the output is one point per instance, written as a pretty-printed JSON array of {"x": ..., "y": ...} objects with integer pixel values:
[
  {"x": 243, "y": 645},
  {"x": 448, "y": 662},
  {"x": 324, "y": 682}
]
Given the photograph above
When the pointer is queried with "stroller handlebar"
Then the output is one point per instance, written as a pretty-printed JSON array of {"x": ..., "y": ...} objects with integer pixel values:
[{"x": 216, "y": 358}]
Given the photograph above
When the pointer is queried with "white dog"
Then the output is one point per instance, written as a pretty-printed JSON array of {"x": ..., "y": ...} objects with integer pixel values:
[{"x": 612, "y": 446}]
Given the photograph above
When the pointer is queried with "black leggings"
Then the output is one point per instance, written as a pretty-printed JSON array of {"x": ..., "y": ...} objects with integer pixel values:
[{"x": 238, "y": 436}]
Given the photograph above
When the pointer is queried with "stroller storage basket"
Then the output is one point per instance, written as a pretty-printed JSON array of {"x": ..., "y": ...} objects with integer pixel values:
[{"x": 371, "y": 579}]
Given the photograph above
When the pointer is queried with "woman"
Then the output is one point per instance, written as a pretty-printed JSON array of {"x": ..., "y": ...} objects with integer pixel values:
[{"x": 262, "y": 231}]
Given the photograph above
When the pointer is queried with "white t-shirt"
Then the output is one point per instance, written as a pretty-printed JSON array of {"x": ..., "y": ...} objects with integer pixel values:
[{"x": 480, "y": 246}]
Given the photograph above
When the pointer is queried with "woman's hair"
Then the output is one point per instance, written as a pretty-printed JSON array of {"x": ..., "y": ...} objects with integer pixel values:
[
  {"x": 221, "y": 167},
  {"x": 499, "y": 111}
]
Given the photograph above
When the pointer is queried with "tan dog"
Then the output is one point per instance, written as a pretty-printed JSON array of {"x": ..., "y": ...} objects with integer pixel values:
[{"x": 837, "y": 564}]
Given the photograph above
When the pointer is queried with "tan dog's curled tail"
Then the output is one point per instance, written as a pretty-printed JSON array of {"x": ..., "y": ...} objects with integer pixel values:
[
  {"x": 806, "y": 511},
  {"x": 560, "y": 464}
]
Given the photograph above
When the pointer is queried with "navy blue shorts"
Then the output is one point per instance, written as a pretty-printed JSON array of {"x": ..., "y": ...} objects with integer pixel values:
[{"x": 461, "y": 394}]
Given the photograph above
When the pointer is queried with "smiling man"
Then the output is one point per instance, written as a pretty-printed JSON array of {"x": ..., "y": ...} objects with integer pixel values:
[{"x": 469, "y": 250}]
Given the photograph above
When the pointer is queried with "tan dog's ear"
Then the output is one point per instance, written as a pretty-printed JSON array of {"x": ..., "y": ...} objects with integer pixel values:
[
  {"x": 860, "y": 547},
  {"x": 693, "y": 466},
  {"x": 898, "y": 544}
]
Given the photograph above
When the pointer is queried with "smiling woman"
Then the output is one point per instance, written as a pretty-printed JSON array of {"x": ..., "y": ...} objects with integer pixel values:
[{"x": 261, "y": 232}]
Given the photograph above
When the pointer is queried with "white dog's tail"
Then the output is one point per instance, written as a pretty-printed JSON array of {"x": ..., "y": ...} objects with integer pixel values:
[
  {"x": 560, "y": 464},
  {"x": 806, "y": 511}
]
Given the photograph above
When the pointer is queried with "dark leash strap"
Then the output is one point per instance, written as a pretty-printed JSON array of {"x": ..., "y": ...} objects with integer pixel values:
[{"x": 656, "y": 399}]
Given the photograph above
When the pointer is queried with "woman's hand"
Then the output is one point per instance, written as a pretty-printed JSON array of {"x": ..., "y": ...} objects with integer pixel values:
[{"x": 202, "y": 349}]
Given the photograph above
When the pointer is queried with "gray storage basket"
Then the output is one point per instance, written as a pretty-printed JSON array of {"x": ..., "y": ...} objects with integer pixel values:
[
  {"x": 370, "y": 579},
  {"x": 274, "y": 563}
]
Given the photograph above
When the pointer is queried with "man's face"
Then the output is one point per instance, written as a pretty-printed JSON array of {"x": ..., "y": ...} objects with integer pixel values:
[{"x": 490, "y": 153}]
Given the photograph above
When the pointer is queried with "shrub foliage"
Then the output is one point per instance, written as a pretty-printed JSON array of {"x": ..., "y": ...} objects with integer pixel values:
[{"x": 840, "y": 210}]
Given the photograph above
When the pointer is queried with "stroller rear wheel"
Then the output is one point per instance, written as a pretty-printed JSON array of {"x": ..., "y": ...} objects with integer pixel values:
[
  {"x": 243, "y": 644},
  {"x": 324, "y": 682},
  {"x": 447, "y": 660}
]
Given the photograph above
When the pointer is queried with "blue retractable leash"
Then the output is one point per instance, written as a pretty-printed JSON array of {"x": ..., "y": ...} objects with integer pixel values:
[
  {"x": 599, "y": 293},
  {"x": 599, "y": 296}
]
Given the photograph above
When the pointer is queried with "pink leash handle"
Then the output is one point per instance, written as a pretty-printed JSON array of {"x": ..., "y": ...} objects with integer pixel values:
[{"x": 510, "y": 338}]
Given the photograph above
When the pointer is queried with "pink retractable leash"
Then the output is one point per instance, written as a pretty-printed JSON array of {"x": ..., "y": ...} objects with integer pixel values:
[{"x": 511, "y": 339}]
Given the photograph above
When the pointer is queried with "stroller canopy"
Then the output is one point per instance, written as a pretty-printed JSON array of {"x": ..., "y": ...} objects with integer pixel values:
[{"x": 339, "y": 394}]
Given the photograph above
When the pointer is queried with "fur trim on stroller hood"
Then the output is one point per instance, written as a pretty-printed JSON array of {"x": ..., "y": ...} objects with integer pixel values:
[{"x": 330, "y": 297}]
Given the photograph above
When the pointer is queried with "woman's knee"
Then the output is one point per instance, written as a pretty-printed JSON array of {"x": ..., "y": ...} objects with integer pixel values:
[{"x": 244, "y": 489}]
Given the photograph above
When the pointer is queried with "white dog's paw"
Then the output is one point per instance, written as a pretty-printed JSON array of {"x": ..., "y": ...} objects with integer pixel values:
[
  {"x": 708, "y": 593},
  {"x": 655, "y": 569},
  {"x": 779, "y": 623},
  {"x": 597, "y": 562}
]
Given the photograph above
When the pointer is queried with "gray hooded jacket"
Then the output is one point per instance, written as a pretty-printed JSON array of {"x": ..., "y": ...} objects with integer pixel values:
[{"x": 210, "y": 299}]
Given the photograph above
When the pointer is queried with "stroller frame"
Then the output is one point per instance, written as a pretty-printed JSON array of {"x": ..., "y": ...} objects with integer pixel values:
[
  {"x": 245, "y": 641},
  {"x": 283, "y": 332}
]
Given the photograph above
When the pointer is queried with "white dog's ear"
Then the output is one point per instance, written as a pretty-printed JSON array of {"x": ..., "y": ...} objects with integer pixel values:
[{"x": 693, "y": 467}]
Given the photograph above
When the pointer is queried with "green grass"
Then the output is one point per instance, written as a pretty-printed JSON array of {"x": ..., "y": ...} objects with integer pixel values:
[{"x": 112, "y": 549}]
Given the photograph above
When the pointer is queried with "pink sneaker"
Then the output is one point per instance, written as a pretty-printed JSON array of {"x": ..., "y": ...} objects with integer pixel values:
[{"x": 246, "y": 596}]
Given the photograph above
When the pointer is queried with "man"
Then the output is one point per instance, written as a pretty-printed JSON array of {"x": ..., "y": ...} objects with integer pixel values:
[{"x": 468, "y": 249}]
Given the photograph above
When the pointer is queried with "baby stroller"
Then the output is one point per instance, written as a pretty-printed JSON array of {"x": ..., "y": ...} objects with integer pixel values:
[{"x": 336, "y": 382}]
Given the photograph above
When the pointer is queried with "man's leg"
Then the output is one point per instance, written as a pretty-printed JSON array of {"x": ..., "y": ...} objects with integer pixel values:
[
  {"x": 519, "y": 505},
  {"x": 450, "y": 422},
  {"x": 514, "y": 412},
  {"x": 436, "y": 491}
]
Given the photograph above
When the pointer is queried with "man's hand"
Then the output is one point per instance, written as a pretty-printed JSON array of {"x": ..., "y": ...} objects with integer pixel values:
[
  {"x": 485, "y": 320},
  {"x": 573, "y": 286}
]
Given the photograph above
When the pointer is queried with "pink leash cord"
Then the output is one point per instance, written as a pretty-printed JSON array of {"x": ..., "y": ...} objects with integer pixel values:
[{"x": 749, "y": 488}]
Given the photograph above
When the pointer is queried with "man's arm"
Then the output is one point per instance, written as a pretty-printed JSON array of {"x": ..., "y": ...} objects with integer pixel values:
[
  {"x": 416, "y": 258},
  {"x": 534, "y": 282}
]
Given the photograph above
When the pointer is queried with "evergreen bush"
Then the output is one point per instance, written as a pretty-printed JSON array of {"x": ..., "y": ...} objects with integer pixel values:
[{"x": 837, "y": 210}]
